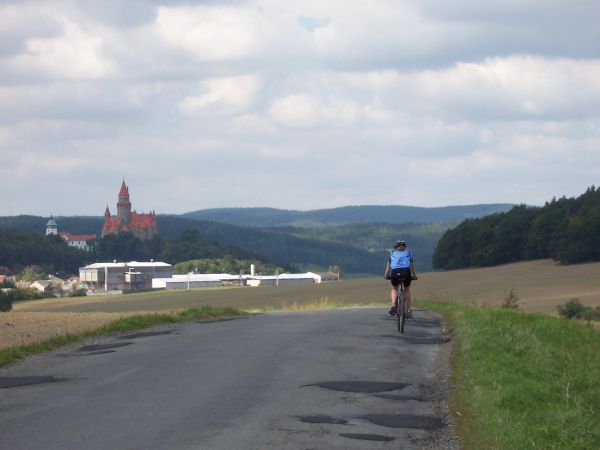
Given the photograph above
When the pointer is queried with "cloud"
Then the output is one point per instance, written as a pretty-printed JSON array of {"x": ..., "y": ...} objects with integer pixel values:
[
  {"x": 220, "y": 33},
  {"x": 302, "y": 110},
  {"x": 223, "y": 96},
  {"x": 282, "y": 152},
  {"x": 514, "y": 87},
  {"x": 76, "y": 54},
  {"x": 335, "y": 100}
]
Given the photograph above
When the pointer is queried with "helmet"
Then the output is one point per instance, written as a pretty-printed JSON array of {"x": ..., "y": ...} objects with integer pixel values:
[{"x": 399, "y": 243}]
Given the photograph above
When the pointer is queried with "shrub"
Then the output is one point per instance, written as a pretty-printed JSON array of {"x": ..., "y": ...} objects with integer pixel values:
[
  {"x": 573, "y": 309},
  {"x": 511, "y": 300},
  {"x": 6, "y": 301},
  {"x": 591, "y": 313},
  {"x": 78, "y": 293}
]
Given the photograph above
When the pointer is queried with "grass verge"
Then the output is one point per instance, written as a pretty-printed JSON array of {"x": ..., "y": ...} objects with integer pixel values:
[
  {"x": 525, "y": 381},
  {"x": 12, "y": 354}
]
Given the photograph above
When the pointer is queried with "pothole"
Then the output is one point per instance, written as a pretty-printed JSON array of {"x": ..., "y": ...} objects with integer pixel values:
[
  {"x": 101, "y": 352},
  {"x": 367, "y": 437},
  {"x": 322, "y": 419},
  {"x": 405, "y": 421},
  {"x": 11, "y": 382},
  {"x": 400, "y": 397},
  {"x": 367, "y": 387},
  {"x": 98, "y": 347}
]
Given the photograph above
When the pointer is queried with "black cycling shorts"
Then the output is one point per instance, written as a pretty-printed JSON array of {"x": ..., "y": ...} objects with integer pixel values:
[{"x": 403, "y": 275}]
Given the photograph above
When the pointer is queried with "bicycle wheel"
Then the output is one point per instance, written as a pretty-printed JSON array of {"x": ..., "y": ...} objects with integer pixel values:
[{"x": 400, "y": 311}]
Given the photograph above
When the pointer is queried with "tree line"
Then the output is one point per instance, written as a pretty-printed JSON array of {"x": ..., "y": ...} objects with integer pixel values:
[
  {"x": 566, "y": 230},
  {"x": 20, "y": 249}
]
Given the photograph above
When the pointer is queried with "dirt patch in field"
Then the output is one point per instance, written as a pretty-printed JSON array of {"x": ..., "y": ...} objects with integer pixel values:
[{"x": 18, "y": 328}]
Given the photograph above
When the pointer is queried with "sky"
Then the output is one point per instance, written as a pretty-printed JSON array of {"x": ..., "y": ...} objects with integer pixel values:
[{"x": 296, "y": 104}]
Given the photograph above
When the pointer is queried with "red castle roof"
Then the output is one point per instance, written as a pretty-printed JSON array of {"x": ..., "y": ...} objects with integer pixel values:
[
  {"x": 76, "y": 237},
  {"x": 124, "y": 189},
  {"x": 142, "y": 220}
]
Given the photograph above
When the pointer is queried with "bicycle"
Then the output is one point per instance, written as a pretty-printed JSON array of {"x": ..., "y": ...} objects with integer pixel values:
[{"x": 401, "y": 306}]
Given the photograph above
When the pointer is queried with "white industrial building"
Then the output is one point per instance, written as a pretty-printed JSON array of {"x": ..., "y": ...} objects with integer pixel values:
[
  {"x": 124, "y": 276},
  {"x": 281, "y": 280},
  {"x": 196, "y": 280},
  {"x": 202, "y": 280}
]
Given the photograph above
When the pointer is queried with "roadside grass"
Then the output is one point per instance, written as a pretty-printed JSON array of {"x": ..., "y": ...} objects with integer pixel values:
[
  {"x": 15, "y": 353},
  {"x": 522, "y": 381}
]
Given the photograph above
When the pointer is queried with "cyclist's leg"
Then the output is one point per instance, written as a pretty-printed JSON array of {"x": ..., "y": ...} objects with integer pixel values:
[
  {"x": 393, "y": 291},
  {"x": 406, "y": 281},
  {"x": 393, "y": 295}
]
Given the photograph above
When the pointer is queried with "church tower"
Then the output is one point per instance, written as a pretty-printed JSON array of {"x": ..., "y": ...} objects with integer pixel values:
[
  {"x": 51, "y": 227},
  {"x": 124, "y": 205}
]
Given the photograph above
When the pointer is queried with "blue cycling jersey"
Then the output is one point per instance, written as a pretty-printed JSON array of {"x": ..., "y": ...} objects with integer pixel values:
[{"x": 400, "y": 259}]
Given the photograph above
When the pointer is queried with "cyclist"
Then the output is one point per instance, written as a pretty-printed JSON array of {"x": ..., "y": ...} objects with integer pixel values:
[{"x": 400, "y": 268}]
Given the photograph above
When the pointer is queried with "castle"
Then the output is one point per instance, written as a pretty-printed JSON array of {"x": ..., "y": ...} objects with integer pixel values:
[{"x": 141, "y": 225}]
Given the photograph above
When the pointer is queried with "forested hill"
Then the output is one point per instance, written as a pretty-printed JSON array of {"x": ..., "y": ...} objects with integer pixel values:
[
  {"x": 278, "y": 247},
  {"x": 566, "y": 230},
  {"x": 270, "y": 217}
]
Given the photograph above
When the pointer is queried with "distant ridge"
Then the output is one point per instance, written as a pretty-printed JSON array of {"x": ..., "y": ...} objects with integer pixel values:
[{"x": 272, "y": 217}]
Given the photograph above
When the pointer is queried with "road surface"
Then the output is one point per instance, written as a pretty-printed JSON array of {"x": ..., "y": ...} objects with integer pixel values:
[{"x": 319, "y": 379}]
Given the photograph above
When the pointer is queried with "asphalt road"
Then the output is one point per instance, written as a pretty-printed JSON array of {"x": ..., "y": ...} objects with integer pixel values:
[{"x": 322, "y": 379}]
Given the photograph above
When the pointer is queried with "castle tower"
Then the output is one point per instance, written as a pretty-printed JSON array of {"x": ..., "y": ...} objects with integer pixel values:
[
  {"x": 51, "y": 227},
  {"x": 124, "y": 205},
  {"x": 141, "y": 225}
]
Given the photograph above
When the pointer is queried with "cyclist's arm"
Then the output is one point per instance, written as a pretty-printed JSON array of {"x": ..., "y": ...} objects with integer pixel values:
[
  {"x": 413, "y": 270},
  {"x": 387, "y": 270}
]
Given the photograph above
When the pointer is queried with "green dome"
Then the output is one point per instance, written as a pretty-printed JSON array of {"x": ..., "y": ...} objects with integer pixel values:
[{"x": 51, "y": 223}]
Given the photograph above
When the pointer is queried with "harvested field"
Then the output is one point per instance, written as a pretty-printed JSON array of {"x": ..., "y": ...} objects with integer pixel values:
[
  {"x": 539, "y": 285},
  {"x": 19, "y": 328},
  {"x": 247, "y": 298}
]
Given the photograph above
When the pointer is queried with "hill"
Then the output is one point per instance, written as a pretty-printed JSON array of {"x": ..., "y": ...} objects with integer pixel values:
[
  {"x": 355, "y": 238},
  {"x": 566, "y": 230},
  {"x": 278, "y": 247},
  {"x": 356, "y": 248},
  {"x": 283, "y": 248},
  {"x": 270, "y": 217}
]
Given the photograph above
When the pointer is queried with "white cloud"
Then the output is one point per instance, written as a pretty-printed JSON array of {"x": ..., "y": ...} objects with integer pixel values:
[
  {"x": 282, "y": 152},
  {"x": 302, "y": 110},
  {"x": 220, "y": 33},
  {"x": 223, "y": 96},
  {"x": 474, "y": 102},
  {"x": 514, "y": 87},
  {"x": 76, "y": 54}
]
